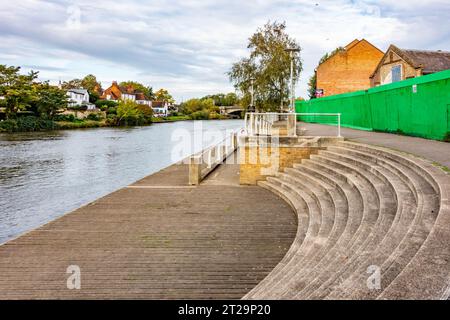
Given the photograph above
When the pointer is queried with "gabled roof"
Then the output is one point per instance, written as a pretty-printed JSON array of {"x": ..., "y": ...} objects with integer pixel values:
[
  {"x": 158, "y": 104},
  {"x": 350, "y": 46},
  {"x": 78, "y": 91},
  {"x": 429, "y": 61}
]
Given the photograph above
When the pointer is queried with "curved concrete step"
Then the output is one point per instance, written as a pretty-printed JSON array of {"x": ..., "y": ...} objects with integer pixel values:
[
  {"x": 331, "y": 214},
  {"x": 427, "y": 275},
  {"x": 379, "y": 254},
  {"x": 366, "y": 206},
  {"x": 340, "y": 266}
]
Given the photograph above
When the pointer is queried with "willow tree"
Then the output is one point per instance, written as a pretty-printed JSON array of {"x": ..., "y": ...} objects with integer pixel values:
[{"x": 269, "y": 65}]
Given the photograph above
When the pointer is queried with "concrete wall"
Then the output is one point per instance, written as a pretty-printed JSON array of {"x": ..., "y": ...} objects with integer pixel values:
[{"x": 257, "y": 162}]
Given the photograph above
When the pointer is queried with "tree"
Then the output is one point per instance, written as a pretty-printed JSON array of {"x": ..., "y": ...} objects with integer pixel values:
[
  {"x": 221, "y": 99},
  {"x": 50, "y": 100},
  {"x": 72, "y": 84},
  {"x": 312, "y": 86},
  {"x": 269, "y": 64},
  {"x": 164, "y": 95},
  {"x": 146, "y": 90},
  {"x": 131, "y": 113},
  {"x": 312, "y": 83},
  {"x": 91, "y": 84},
  {"x": 127, "y": 110},
  {"x": 17, "y": 90}
]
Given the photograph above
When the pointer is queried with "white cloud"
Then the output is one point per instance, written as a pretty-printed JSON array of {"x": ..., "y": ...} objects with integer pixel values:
[{"x": 187, "y": 46}]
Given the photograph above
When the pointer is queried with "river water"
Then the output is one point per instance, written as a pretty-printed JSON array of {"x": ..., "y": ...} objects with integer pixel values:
[{"x": 45, "y": 175}]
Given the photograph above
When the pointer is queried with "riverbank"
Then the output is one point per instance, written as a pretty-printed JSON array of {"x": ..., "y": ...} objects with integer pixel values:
[{"x": 26, "y": 124}]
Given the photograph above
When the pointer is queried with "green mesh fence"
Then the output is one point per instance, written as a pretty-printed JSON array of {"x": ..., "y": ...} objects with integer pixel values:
[{"x": 417, "y": 107}]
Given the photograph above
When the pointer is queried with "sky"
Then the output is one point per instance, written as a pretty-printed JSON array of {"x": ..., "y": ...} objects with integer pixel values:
[{"x": 187, "y": 46}]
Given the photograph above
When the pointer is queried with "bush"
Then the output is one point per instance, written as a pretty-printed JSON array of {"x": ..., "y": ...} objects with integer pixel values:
[
  {"x": 111, "y": 110},
  {"x": 65, "y": 117},
  {"x": 80, "y": 124},
  {"x": 78, "y": 108},
  {"x": 8, "y": 125},
  {"x": 27, "y": 124},
  {"x": 215, "y": 116},
  {"x": 200, "y": 115},
  {"x": 95, "y": 116},
  {"x": 105, "y": 104},
  {"x": 111, "y": 120}
]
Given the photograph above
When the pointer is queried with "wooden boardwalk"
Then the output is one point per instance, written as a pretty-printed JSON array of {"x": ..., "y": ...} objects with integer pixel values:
[{"x": 156, "y": 239}]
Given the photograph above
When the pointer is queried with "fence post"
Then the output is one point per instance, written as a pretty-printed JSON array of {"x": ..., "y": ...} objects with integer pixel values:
[
  {"x": 339, "y": 125},
  {"x": 194, "y": 170},
  {"x": 291, "y": 125}
]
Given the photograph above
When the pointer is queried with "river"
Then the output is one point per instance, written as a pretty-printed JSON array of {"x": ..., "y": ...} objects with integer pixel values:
[{"x": 47, "y": 174}]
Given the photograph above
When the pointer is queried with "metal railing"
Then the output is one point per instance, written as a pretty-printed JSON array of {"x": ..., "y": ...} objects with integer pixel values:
[
  {"x": 263, "y": 123},
  {"x": 202, "y": 163},
  {"x": 259, "y": 123}
]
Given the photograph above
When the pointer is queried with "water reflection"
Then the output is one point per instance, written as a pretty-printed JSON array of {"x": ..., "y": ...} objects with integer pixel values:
[{"x": 44, "y": 175}]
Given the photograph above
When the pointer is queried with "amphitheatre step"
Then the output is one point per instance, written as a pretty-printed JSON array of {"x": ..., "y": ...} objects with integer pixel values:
[
  {"x": 388, "y": 246},
  {"x": 372, "y": 220},
  {"x": 361, "y": 206}
]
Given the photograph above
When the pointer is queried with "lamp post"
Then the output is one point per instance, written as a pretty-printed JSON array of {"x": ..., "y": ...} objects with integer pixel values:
[
  {"x": 252, "y": 92},
  {"x": 292, "y": 51}
]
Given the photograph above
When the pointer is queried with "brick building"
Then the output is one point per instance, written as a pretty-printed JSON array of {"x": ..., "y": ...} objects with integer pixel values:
[
  {"x": 401, "y": 64},
  {"x": 348, "y": 69},
  {"x": 116, "y": 92}
]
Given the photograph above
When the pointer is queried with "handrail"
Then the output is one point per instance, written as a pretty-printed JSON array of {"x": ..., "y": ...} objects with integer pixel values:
[
  {"x": 204, "y": 162},
  {"x": 261, "y": 123}
]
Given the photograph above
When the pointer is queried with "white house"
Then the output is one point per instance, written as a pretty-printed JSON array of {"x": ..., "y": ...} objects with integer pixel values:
[
  {"x": 79, "y": 97},
  {"x": 160, "y": 108}
]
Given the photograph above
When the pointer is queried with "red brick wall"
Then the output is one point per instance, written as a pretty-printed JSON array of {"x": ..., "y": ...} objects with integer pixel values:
[{"x": 349, "y": 70}]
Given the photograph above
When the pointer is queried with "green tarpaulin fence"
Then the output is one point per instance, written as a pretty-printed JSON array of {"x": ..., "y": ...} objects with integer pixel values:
[{"x": 417, "y": 107}]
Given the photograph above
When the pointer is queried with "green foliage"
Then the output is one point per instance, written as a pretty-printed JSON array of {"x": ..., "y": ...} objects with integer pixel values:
[
  {"x": 18, "y": 90},
  {"x": 312, "y": 86},
  {"x": 111, "y": 110},
  {"x": 130, "y": 113},
  {"x": 78, "y": 108},
  {"x": 269, "y": 64},
  {"x": 94, "y": 97},
  {"x": 91, "y": 84},
  {"x": 65, "y": 117},
  {"x": 194, "y": 105},
  {"x": 72, "y": 84},
  {"x": 9, "y": 125},
  {"x": 164, "y": 95},
  {"x": 221, "y": 99},
  {"x": 200, "y": 115},
  {"x": 50, "y": 100},
  {"x": 81, "y": 124},
  {"x": 27, "y": 123},
  {"x": 95, "y": 116},
  {"x": 105, "y": 104}
]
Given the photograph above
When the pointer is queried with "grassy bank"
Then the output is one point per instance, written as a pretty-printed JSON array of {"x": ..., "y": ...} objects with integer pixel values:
[
  {"x": 170, "y": 119},
  {"x": 32, "y": 124}
]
